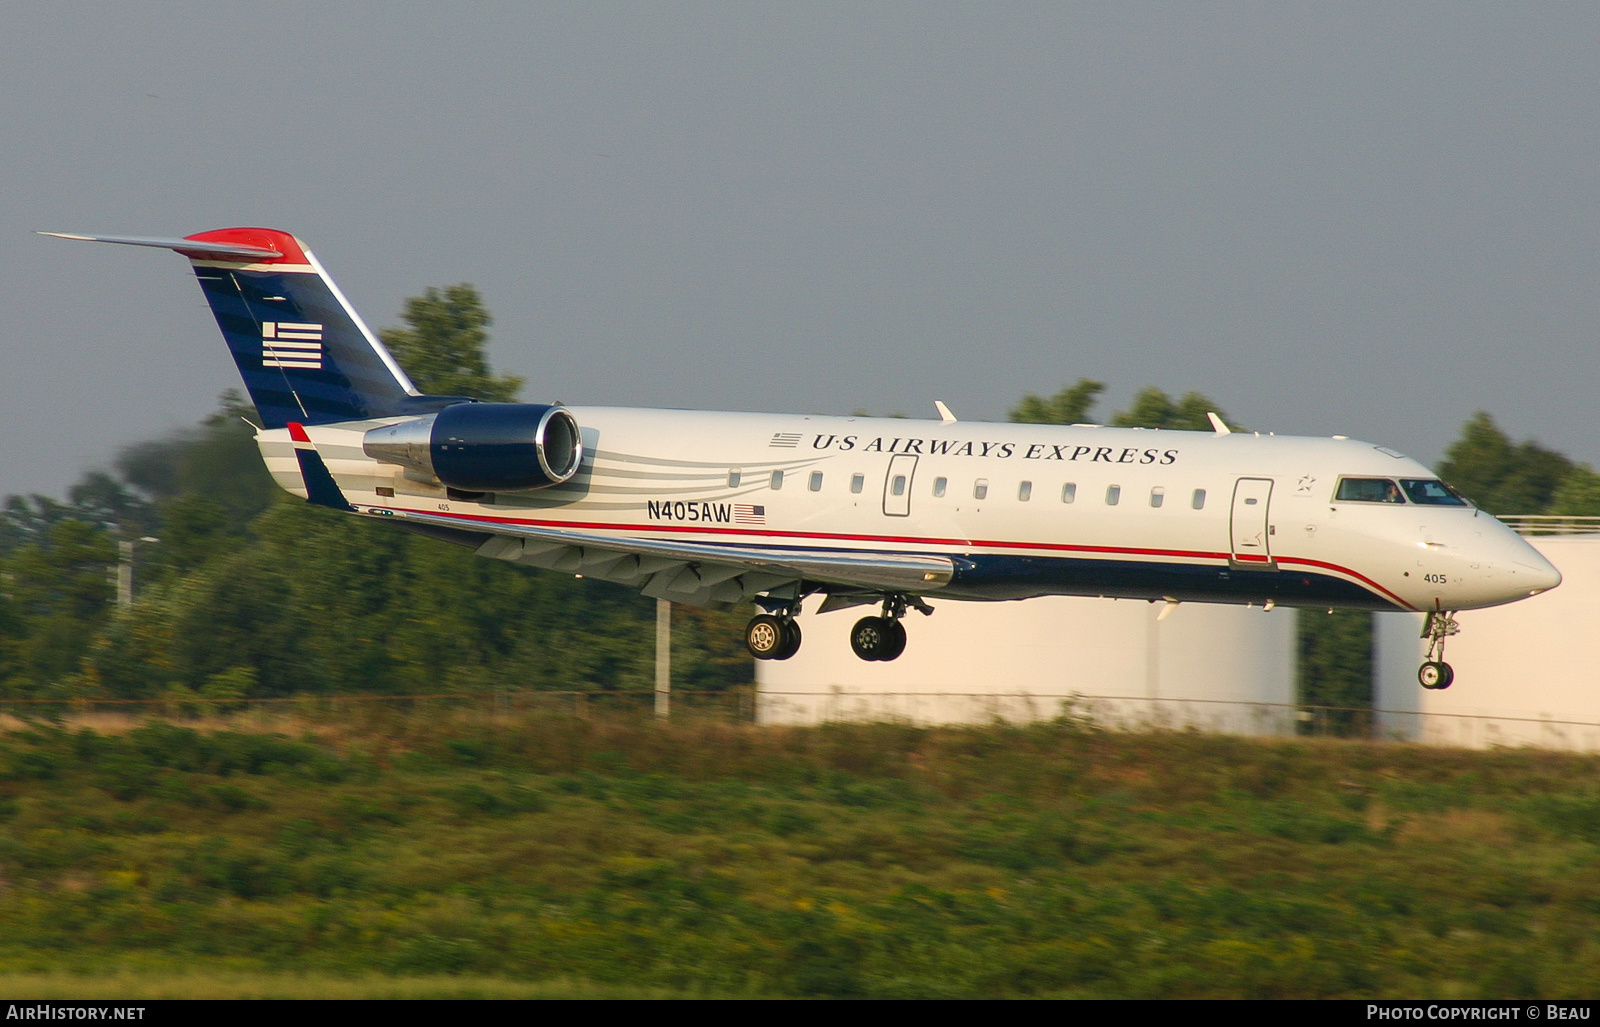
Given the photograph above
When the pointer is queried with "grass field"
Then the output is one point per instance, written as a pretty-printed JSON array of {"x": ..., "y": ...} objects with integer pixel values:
[{"x": 442, "y": 853}]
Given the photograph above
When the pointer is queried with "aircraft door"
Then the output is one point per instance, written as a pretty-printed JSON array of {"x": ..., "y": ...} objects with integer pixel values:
[
  {"x": 897, "y": 485},
  {"x": 1251, "y": 532}
]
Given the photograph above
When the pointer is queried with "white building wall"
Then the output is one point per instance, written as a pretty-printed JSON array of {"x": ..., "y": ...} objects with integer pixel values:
[
  {"x": 1523, "y": 673},
  {"x": 1221, "y": 668}
]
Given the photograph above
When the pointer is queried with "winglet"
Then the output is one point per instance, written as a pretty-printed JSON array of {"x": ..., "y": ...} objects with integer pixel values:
[
  {"x": 945, "y": 416},
  {"x": 195, "y": 247},
  {"x": 1217, "y": 424},
  {"x": 321, "y": 489}
]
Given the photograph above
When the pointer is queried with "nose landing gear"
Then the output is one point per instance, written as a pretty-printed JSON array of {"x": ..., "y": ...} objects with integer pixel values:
[{"x": 1435, "y": 673}]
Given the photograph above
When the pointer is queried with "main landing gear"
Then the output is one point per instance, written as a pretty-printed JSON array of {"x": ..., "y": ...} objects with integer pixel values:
[
  {"x": 1434, "y": 672},
  {"x": 883, "y": 638},
  {"x": 776, "y": 636},
  {"x": 770, "y": 637},
  {"x": 878, "y": 638}
]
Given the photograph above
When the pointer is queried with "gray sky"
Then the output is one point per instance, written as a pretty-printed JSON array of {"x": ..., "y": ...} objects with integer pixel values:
[{"x": 1358, "y": 218}]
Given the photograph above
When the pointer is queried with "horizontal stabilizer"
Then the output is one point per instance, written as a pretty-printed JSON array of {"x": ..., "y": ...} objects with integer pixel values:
[
  {"x": 194, "y": 248},
  {"x": 304, "y": 353}
]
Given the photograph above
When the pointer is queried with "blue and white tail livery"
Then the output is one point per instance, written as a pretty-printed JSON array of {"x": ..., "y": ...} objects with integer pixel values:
[
  {"x": 302, "y": 350},
  {"x": 703, "y": 507}
]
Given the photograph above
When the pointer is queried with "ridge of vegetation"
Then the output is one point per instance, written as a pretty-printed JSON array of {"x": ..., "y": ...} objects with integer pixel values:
[{"x": 707, "y": 858}]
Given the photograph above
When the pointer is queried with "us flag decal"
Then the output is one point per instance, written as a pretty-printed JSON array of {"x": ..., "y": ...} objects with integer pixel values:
[
  {"x": 291, "y": 344},
  {"x": 743, "y": 513}
]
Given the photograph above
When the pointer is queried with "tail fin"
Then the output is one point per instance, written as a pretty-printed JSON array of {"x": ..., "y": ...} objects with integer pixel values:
[{"x": 303, "y": 351}]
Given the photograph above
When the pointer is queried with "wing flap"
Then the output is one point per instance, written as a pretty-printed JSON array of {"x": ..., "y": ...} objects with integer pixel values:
[{"x": 902, "y": 572}]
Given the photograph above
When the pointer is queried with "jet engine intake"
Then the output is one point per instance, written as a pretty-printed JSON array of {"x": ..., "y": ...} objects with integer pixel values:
[{"x": 485, "y": 447}]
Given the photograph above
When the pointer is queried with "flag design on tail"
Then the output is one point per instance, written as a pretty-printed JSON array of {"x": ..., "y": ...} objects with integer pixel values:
[{"x": 291, "y": 344}]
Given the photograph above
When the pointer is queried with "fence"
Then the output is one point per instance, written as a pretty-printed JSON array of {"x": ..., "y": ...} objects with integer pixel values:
[
  {"x": 1217, "y": 716},
  {"x": 1095, "y": 712},
  {"x": 1111, "y": 712},
  {"x": 1551, "y": 524},
  {"x": 731, "y": 705}
]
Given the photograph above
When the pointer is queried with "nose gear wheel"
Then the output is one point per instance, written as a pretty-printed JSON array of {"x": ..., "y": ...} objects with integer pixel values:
[{"x": 1435, "y": 674}]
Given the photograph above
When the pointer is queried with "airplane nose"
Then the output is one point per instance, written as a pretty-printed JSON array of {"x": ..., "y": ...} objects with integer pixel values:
[
  {"x": 1512, "y": 568},
  {"x": 1541, "y": 576}
]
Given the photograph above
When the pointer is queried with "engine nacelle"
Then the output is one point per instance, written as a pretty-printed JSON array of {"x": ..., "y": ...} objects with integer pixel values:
[{"x": 485, "y": 447}]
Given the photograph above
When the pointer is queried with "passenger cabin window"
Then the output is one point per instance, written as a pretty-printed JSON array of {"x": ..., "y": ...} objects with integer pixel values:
[
  {"x": 1025, "y": 491},
  {"x": 733, "y": 478},
  {"x": 1198, "y": 501},
  {"x": 939, "y": 485},
  {"x": 897, "y": 485},
  {"x": 1069, "y": 492},
  {"x": 1113, "y": 495},
  {"x": 816, "y": 481},
  {"x": 1368, "y": 490},
  {"x": 1158, "y": 495},
  {"x": 777, "y": 480},
  {"x": 1432, "y": 492},
  {"x": 980, "y": 489},
  {"x": 856, "y": 481}
]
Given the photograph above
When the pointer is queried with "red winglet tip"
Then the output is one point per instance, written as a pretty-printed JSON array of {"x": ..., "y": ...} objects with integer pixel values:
[{"x": 266, "y": 238}]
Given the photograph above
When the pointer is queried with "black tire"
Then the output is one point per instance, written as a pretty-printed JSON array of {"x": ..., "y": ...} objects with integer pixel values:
[
  {"x": 1435, "y": 675},
  {"x": 791, "y": 641},
  {"x": 894, "y": 640},
  {"x": 764, "y": 637},
  {"x": 867, "y": 637}
]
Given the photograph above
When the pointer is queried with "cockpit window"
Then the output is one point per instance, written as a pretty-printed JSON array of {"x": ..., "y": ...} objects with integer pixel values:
[
  {"x": 1432, "y": 492},
  {"x": 1369, "y": 490}
]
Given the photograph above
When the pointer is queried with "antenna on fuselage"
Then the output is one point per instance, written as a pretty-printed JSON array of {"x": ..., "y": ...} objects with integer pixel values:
[
  {"x": 1217, "y": 424},
  {"x": 945, "y": 416}
]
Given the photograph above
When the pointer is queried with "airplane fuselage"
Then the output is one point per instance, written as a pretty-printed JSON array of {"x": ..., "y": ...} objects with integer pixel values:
[{"x": 1022, "y": 510}]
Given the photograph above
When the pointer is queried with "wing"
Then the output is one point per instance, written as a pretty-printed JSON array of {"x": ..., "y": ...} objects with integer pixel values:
[
  {"x": 696, "y": 572},
  {"x": 681, "y": 571}
]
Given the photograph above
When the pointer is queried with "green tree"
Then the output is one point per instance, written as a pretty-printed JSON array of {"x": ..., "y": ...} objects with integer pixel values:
[
  {"x": 57, "y": 594},
  {"x": 1335, "y": 667},
  {"x": 28, "y": 519},
  {"x": 443, "y": 349},
  {"x": 1579, "y": 494},
  {"x": 1500, "y": 476},
  {"x": 1153, "y": 408},
  {"x": 1069, "y": 406},
  {"x": 216, "y": 462}
]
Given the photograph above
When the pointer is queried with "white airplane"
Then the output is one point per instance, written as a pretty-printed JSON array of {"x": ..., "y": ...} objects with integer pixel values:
[{"x": 702, "y": 507}]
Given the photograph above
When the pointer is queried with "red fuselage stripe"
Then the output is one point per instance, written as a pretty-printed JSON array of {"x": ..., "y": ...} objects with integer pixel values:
[{"x": 1057, "y": 547}]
